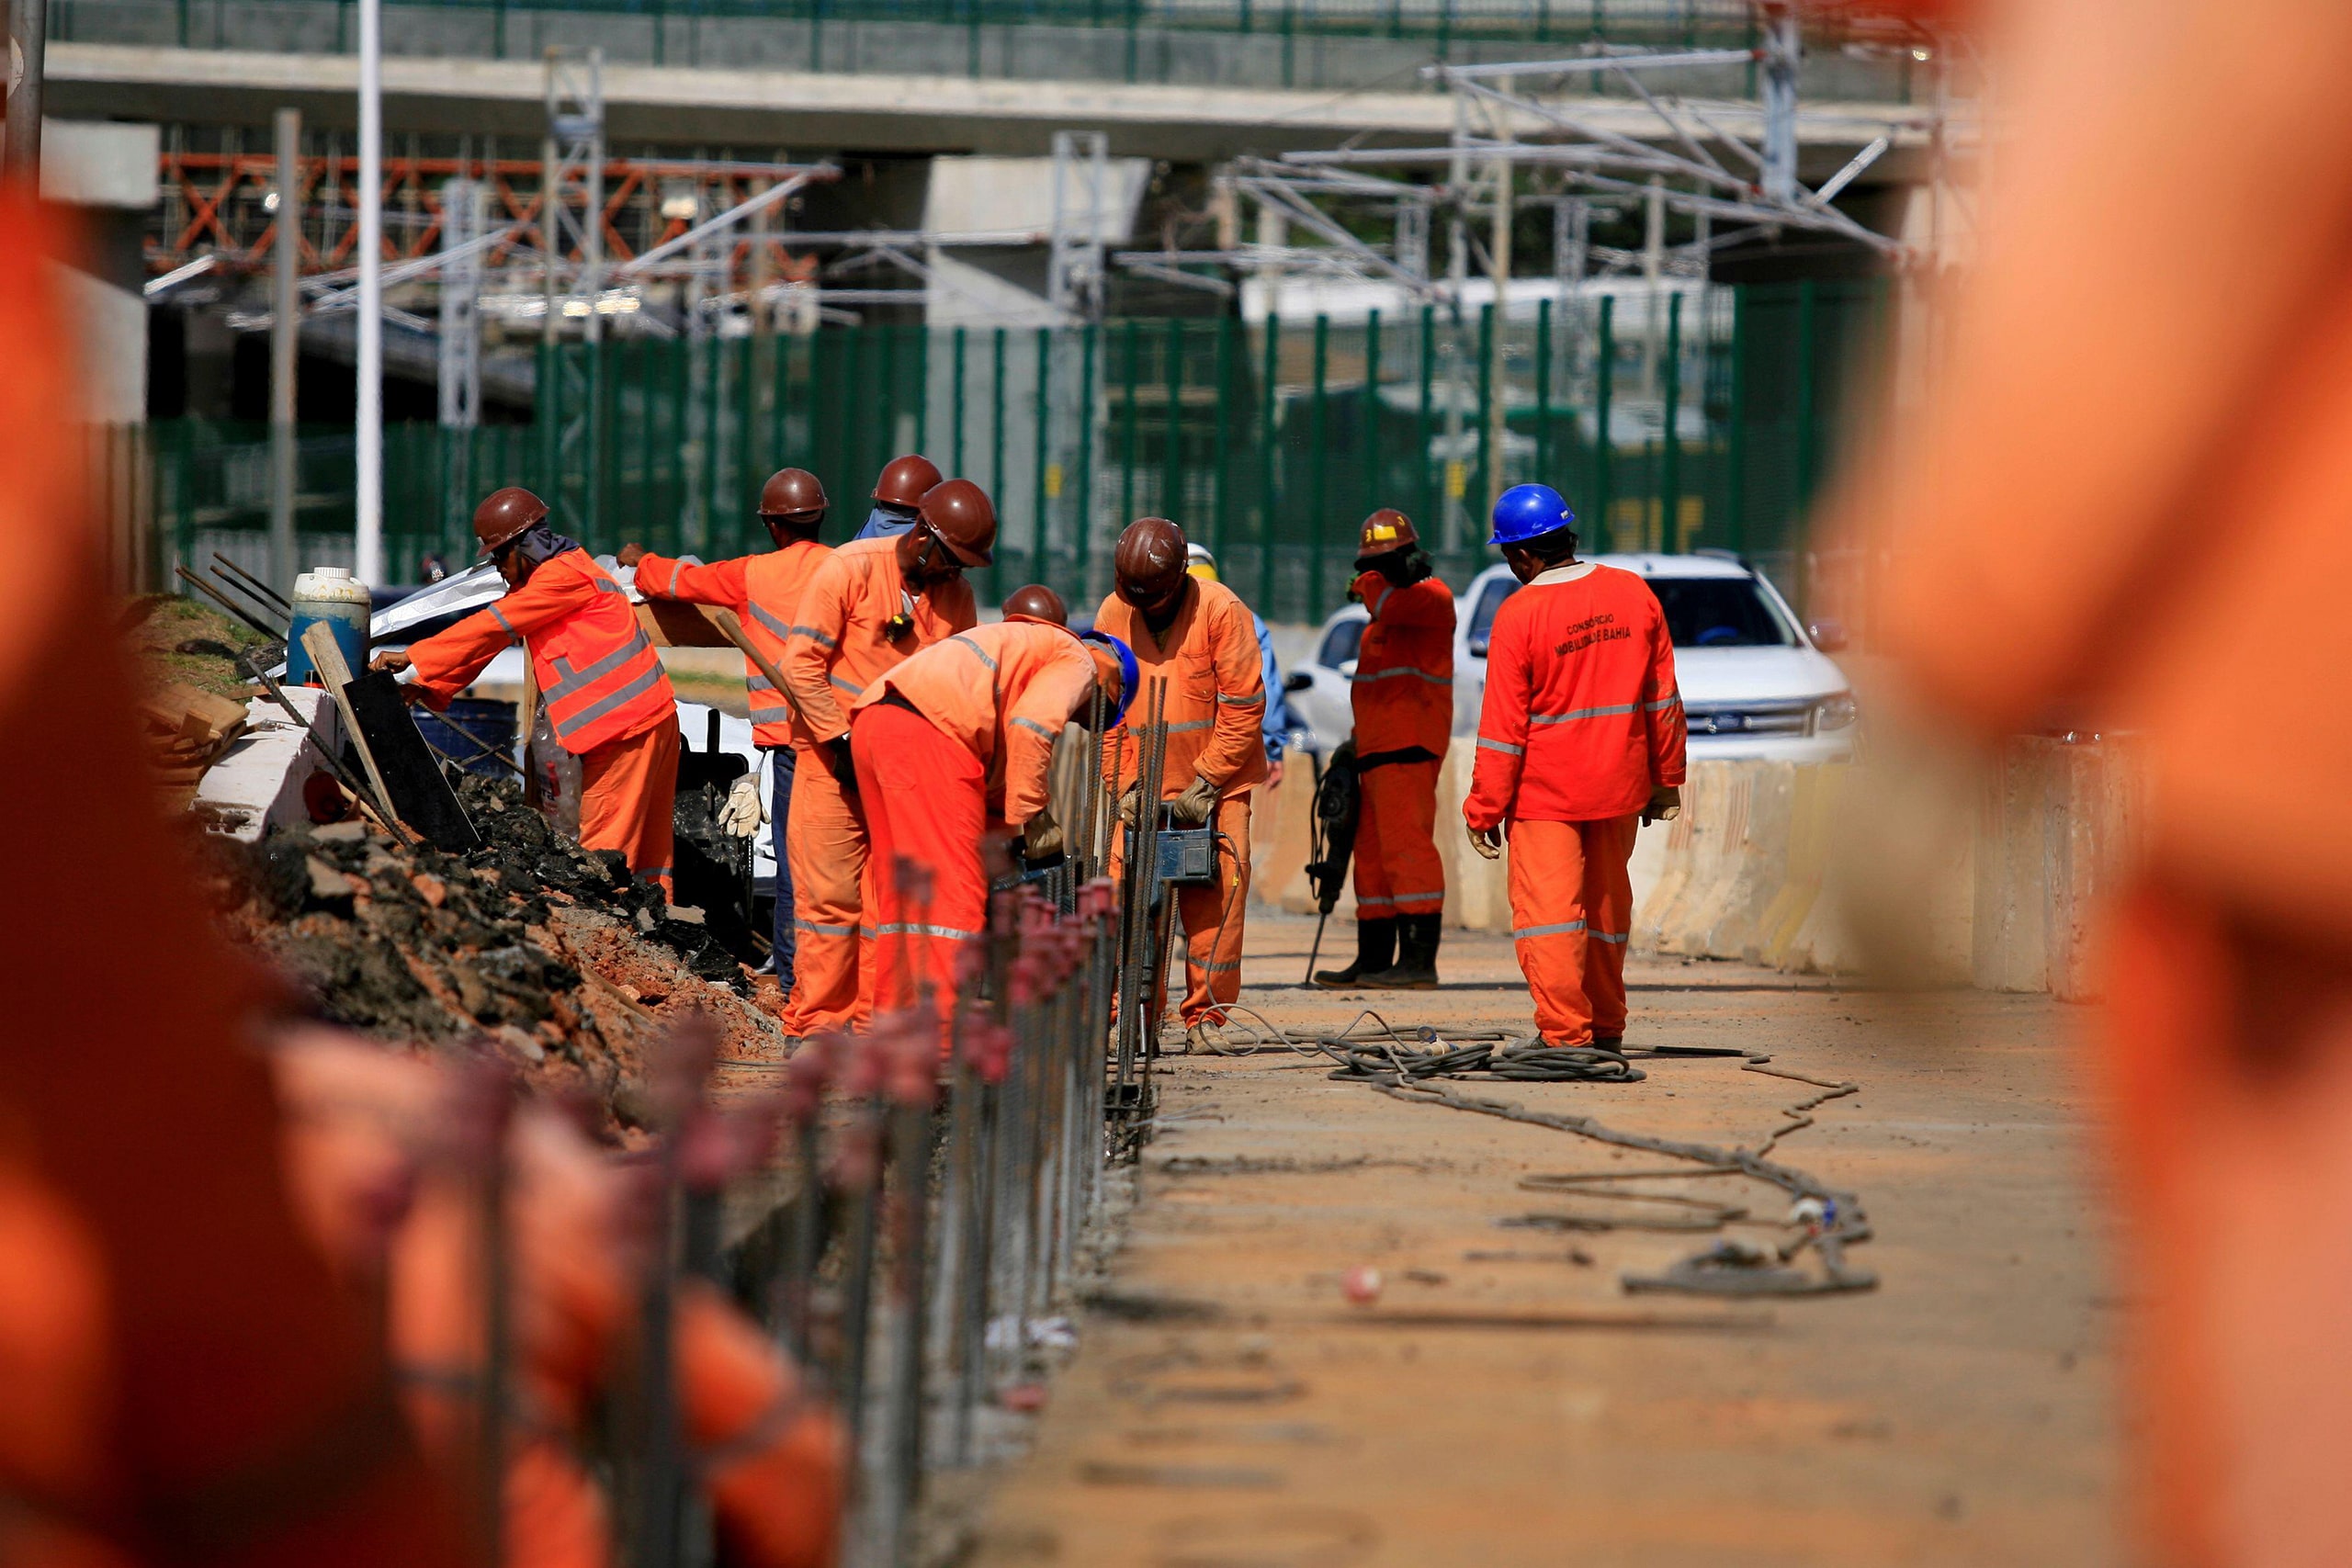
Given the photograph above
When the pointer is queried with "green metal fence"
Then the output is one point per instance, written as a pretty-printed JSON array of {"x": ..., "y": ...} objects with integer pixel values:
[{"x": 1696, "y": 418}]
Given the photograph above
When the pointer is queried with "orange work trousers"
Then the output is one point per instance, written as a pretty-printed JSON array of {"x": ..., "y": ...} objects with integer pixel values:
[
  {"x": 927, "y": 894},
  {"x": 2226, "y": 1048},
  {"x": 628, "y": 791},
  {"x": 1397, "y": 871},
  {"x": 825, "y": 845},
  {"x": 1571, "y": 912}
]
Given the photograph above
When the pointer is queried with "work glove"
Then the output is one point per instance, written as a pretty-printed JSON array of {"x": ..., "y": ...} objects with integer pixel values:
[
  {"x": 1665, "y": 805},
  {"x": 1195, "y": 806},
  {"x": 838, "y": 757},
  {"x": 742, "y": 814},
  {"x": 1041, "y": 837},
  {"x": 1488, "y": 842},
  {"x": 1131, "y": 806}
]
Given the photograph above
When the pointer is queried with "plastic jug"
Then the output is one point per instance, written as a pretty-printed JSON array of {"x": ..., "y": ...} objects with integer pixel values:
[{"x": 327, "y": 596}]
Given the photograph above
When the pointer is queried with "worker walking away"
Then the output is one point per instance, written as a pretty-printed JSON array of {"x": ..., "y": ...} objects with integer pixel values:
[
  {"x": 1402, "y": 696},
  {"x": 899, "y": 490},
  {"x": 1580, "y": 741},
  {"x": 869, "y": 604},
  {"x": 1278, "y": 720},
  {"x": 953, "y": 744},
  {"x": 763, "y": 590},
  {"x": 1198, "y": 636},
  {"x": 607, "y": 696}
]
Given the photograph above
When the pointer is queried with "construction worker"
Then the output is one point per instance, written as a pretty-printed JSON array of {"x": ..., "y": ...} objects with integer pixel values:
[
  {"x": 869, "y": 604},
  {"x": 184, "y": 1380},
  {"x": 904, "y": 481},
  {"x": 1402, "y": 696},
  {"x": 954, "y": 743},
  {"x": 763, "y": 590},
  {"x": 1580, "y": 741},
  {"x": 606, "y": 694},
  {"x": 1197, "y": 635},
  {"x": 1036, "y": 602},
  {"x": 1278, "y": 722}
]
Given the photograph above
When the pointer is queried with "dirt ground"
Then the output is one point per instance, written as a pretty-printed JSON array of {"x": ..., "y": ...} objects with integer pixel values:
[{"x": 1239, "y": 1412}]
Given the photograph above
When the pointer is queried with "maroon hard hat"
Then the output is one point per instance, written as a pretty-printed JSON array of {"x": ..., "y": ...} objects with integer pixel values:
[
  {"x": 906, "y": 481},
  {"x": 959, "y": 512},
  {"x": 792, "y": 495},
  {"x": 1387, "y": 529},
  {"x": 505, "y": 513},
  {"x": 1150, "y": 557},
  {"x": 1036, "y": 602}
]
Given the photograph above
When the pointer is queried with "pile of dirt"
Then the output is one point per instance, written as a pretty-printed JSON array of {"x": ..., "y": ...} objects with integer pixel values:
[{"x": 551, "y": 951}]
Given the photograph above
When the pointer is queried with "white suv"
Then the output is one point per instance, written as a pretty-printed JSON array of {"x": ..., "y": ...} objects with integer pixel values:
[{"x": 1754, "y": 682}]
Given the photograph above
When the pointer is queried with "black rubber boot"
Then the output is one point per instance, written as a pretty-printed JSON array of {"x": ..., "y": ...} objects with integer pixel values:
[
  {"x": 1375, "y": 951},
  {"x": 1416, "y": 970}
]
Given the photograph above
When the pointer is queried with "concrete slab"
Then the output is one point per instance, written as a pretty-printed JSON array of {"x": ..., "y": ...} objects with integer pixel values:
[{"x": 258, "y": 784}]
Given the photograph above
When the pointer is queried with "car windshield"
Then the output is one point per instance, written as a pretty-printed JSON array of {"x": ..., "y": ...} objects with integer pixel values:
[
  {"x": 1718, "y": 612},
  {"x": 1701, "y": 612},
  {"x": 1339, "y": 643}
]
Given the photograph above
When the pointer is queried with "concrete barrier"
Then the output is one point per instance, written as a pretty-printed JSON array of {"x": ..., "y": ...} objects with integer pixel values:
[{"x": 1757, "y": 866}]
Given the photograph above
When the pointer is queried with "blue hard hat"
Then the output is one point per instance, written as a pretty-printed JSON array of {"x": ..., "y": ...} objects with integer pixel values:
[
  {"x": 1130, "y": 673},
  {"x": 1528, "y": 511}
]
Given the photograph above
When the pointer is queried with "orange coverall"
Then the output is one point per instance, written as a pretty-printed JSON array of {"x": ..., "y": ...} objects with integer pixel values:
[
  {"x": 837, "y": 649},
  {"x": 1217, "y": 698},
  {"x": 972, "y": 746},
  {"x": 1582, "y": 722},
  {"x": 606, "y": 695},
  {"x": 763, "y": 590},
  {"x": 1402, "y": 696},
  {"x": 2168, "y": 556},
  {"x": 184, "y": 1381}
]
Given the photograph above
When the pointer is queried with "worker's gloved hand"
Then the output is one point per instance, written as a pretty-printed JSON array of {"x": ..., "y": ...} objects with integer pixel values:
[
  {"x": 1041, "y": 837},
  {"x": 1131, "y": 806},
  {"x": 838, "y": 757},
  {"x": 393, "y": 659},
  {"x": 1195, "y": 806},
  {"x": 629, "y": 555},
  {"x": 1665, "y": 805},
  {"x": 1488, "y": 842},
  {"x": 742, "y": 814}
]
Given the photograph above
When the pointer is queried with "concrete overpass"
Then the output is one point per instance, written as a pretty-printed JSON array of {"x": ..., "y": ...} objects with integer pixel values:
[{"x": 811, "y": 113}]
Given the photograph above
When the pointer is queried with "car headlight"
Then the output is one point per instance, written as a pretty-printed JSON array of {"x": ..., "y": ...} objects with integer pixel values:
[{"x": 1835, "y": 712}]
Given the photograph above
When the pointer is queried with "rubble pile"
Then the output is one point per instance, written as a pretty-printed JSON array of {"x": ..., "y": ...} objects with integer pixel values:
[{"x": 552, "y": 953}]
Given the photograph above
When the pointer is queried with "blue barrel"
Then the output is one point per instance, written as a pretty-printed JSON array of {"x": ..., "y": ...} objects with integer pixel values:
[
  {"x": 327, "y": 596},
  {"x": 474, "y": 733}
]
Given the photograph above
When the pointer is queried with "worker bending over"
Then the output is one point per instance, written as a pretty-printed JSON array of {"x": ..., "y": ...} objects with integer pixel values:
[
  {"x": 1198, "y": 636},
  {"x": 1402, "y": 694},
  {"x": 762, "y": 590},
  {"x": 1580, "y": 741},
  {"x": 899, "y": 490},
  {"x": 952, "y": 744},
  {"x": 607, "y": 697},
  {"x": 868, "y": 606}
]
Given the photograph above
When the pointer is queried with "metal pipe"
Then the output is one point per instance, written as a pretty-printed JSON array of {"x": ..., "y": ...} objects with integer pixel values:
[
  {"x": 369, "y": 544},
  {"x": 285, "y": 339}
]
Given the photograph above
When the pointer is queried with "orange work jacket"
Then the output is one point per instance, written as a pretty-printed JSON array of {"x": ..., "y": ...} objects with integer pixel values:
[
  {"x": 837, "y": 647},
  {"x": 763, "y": 590},
  {"x": 1402, "y": 691},
  {"x": 1582, "y": 717},
  {"x": 597, "y": 671},
  {"x": 1006, "y": 691},
  {"x": 1216, "y": 690}
]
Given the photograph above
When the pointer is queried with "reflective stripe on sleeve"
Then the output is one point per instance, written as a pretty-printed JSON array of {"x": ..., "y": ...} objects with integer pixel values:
[
  {"x": 844, "y": 685},
  {"x": 1243, "y": 701},
  {"x": 1674, "y": 701},
  {"x": 813, "y": 635},
  {"x": 500, "y": 617},
  {"x": 1401, "y": 671},
  {"x": 911, "y": 928},
  {"x": 976, "y": 651},
  {"x": 1505, "y": 747},
  {"x": 1032, "y": 725},
  {"x": 1192, "y": 724}
]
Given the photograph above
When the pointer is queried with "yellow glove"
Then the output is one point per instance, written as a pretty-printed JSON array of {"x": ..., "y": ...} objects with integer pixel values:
[
  {"x": 1488, "y": 842},
  {"x": 743, "y": 813},
  {"x": 1041, "y": 837},
  {"x": 1195, "y": 806}
]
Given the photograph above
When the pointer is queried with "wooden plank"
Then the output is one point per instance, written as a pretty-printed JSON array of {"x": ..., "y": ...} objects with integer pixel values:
[{"x": 326, "y": 657}]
